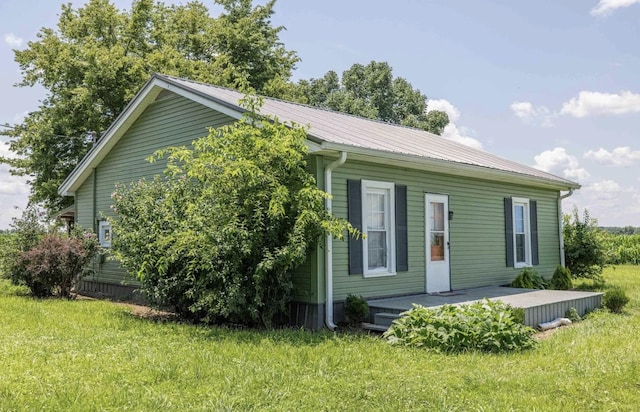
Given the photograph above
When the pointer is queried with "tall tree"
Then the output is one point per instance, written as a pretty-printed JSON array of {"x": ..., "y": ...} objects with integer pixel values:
[
  {"x": 371, "y": 91},
  {"x": 98, "y": 58}
]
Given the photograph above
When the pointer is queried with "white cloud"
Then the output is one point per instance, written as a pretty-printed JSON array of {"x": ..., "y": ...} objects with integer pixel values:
[
  {"x": 523, "y": 110},
  {"x": 12, "y": 40},
  {"x": 605, "y": 7},
  {"x": 444, "y": 106},
  {"x": 14, "y": 191},
  {"x": 534, "y": 115},
  {"x": 5, "y": 152},
  {"x": 620, "y": 156},
  {"x": 558, "y": 161},
  {"x": 452, "y": 131},
  {"x": 607, "y": 195},
  {"x": 596, "y": 103},
  {"x": 460, "y": 135},
  {"x": 605, "y": 188},
  {"x": 607, "y": 201}
]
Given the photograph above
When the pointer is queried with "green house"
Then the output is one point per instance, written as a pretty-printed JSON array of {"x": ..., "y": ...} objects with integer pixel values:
[{"x": 439, "y": 216}]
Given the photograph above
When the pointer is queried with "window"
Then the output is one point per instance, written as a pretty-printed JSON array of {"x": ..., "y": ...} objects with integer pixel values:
[
  {"x": 104, "y": 233},
  {"x": 378, "y": 211},
  {"x": 521, "y": 231}
]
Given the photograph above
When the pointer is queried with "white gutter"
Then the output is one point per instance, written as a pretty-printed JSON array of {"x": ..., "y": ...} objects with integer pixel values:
[
  {"x": 449, "y": 167},
  {"x": 328, "y": 251},
  {"x": 560, "y": 220}
]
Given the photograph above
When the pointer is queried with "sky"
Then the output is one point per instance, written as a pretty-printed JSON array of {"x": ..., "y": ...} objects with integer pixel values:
[{"x": 551, "y": 84}]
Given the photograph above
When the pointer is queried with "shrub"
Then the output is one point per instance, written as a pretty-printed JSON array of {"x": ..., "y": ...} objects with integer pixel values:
[
  {"x": 53, "y": 266},
  {"x": 615, "y": 299},
  {"x": 219, "y": 236},
  {"x": 572, "y": 314},
  {"x": 529, "y": 279},
  {"x": 487, "y": 326},
  {"x": 561, "y": 279},
  {"x": 356, "y": 309},
  {"x": 584, "y": 248},
  {"x": 25, "y": 234},
  {"x": 518, "y": 314}
]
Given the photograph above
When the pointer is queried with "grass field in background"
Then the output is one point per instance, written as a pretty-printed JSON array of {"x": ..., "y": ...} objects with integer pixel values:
[{"x": 95, "y": 355}]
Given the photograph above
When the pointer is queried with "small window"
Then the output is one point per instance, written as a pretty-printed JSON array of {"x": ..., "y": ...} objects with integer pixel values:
[
  {"x": 378, "y": 212},
  {"x": 521, "y": 233},
  {"x": 104, "y": 233}
]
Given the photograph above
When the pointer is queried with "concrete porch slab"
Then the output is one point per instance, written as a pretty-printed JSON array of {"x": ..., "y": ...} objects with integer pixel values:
[{"x": 539, "y": 305}]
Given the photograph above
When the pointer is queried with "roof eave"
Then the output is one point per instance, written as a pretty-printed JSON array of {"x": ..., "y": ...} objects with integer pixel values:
[{"x": 446, "y": 167}]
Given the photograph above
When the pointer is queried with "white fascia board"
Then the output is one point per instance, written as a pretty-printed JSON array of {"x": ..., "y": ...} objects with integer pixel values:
[{"x": 444, "y": 167}]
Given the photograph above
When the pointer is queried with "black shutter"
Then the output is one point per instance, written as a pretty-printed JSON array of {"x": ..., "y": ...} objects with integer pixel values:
[
  {"x": 533, "y": 222},
  {"x": 402, "y": 250},
  {"x": 508, "y": 230},
  {"x": 354, "y": 205}
]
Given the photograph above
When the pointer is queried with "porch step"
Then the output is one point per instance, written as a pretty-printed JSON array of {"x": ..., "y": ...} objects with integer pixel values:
[
  {"x": 374, "y": 327},
  {"x": 385, "y": 319}
]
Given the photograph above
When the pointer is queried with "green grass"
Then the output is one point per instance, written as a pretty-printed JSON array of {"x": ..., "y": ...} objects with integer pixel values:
[{"x": 94, "y": 355}]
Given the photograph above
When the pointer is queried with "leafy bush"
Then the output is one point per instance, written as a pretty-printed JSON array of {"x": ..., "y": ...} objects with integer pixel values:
[
  {"x": 529, "y": 279},
  {"x": 25, "y": 234},
  {"x": 517, "y": 313},
  {"x": 584, "y": 248},
  {"x": 356, "y": 309},
  {"x": 53, "y": 266},
  {"x": 621, "y": 248},
  {"x": 561, "y": 279},
  {"x": 615, "y": 299},
  {"x": 220, "y": 235},
  {"x": 572, "y": 314},
  {"x": 487, "y": 326}
]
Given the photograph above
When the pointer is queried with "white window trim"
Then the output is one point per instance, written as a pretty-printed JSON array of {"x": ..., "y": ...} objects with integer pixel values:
[
  {"x": 527, "y": 227},
  {"x": 102, "y": 226},
  {"x": 367, "y": 185}
]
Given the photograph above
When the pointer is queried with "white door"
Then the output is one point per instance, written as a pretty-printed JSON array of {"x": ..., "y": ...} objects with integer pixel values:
[{"x": 437, "y": 241}]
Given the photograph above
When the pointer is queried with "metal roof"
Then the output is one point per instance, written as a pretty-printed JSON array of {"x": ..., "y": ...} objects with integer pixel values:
[
  {"x": 343, "y": 129},
  {"x": 330, "y": 132}
]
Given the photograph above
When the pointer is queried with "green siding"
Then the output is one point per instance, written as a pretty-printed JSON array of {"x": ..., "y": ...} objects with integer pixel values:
[
  {"x": 476, "y": 232},
  {"x": 308, "y": 279},
  {"x": 84, "y": 204},
  {"x": 171, "y": 121}
]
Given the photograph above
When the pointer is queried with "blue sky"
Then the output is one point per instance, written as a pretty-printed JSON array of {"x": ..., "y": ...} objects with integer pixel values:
[{"x": 552, "y": 84}]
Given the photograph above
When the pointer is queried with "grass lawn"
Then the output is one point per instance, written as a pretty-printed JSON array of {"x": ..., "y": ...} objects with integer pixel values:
[{"x": 95, "y": 355}]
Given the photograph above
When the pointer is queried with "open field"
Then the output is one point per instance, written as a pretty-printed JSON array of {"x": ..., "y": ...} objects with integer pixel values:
[{"x": 95, "y": 355}]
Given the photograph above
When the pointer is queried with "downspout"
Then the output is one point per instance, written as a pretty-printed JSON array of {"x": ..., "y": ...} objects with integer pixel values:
[
  {"x": 94, "y": 217},
  {"x": 94, "y": 211},
  {"x": 328, "y": 251},
  {"x": 560, "y": 221}
]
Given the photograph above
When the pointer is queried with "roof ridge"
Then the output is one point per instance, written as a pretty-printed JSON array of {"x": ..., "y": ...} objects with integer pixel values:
[{"x": 325, "y": 109}]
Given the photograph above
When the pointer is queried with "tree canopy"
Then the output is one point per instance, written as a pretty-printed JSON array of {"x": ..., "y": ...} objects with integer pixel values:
[
  {"x": 371, "y": 91},
  {"x": 98, "y": 57}
]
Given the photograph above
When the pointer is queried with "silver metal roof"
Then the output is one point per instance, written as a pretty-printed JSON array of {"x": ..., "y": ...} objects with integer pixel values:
[{"x": 327, "y": 126}]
